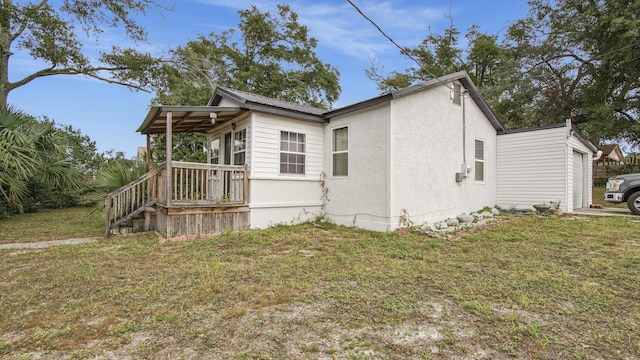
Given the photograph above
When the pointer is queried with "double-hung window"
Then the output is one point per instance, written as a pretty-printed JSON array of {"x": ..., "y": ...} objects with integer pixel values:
[
  {"x": 479, "y": 162},
  {"x": 239, "y": 147},
  {"x": 292, "y": 152},
  {"x": 340, "y": 151},
  {"x": 214, "y": 151}
]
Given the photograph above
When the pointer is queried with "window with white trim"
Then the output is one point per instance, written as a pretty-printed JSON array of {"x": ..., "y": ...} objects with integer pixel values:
[
  {"x": 214, "y": 151},
  {"x": 340, "y": 151},
  {"x": 292, "y": 152},
  {"x": 479, "y": 160},
  {"x": 239, "y": 147}
]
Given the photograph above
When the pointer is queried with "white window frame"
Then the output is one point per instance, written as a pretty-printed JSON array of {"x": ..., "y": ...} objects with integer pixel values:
[
  {"x": 478, "y": 160},
  {"x": 243, "y": 149},
  {"x": 212, "y": 139},
  {"x": 336, "y": 152},
  {"x": 293, "y": 165}
]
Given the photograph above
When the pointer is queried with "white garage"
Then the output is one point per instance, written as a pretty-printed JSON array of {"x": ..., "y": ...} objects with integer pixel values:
[{"x": 544, "y": 164}]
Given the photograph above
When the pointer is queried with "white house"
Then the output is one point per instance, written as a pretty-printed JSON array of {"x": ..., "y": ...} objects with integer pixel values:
[{"x": 421, "y": 154}]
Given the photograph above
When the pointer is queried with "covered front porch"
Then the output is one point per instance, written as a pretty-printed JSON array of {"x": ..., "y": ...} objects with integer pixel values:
[{"x": 183, "y": 198}]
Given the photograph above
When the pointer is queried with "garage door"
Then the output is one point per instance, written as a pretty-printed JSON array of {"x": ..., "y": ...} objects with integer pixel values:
[{"x": 578, "y": 180}]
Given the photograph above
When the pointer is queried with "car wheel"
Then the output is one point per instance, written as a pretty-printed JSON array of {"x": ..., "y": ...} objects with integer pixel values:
[{"x": 634, "y": 203}]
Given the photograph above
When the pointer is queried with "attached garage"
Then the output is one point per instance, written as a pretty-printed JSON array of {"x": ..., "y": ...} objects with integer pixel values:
[{"x": 542, "y": 165}]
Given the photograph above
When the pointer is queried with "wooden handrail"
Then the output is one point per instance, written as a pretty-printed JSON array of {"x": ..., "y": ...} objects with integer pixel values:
[
  {"x": 129, "y": 200},
  {"x": 192, "y": 184},
  {"x": 201, "y": 184}
]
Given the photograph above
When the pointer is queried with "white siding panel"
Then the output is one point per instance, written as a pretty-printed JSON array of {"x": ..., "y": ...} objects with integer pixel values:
[
  {"x": 284, "y": 202},
  {"x": 284, "y": 198},
  {"x": 266, "y": 150},
  {"x": 576, "y": 145},
  {"x": 532, "y": 168}
]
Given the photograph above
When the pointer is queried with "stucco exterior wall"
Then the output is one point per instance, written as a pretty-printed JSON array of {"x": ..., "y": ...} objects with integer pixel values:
[
  {"x": 427, "y": 152},
  {"x": 361, "y": 198}
]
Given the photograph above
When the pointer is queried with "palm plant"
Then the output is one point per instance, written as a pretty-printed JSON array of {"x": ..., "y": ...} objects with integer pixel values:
[
  {"x": 32, "y": 154},
  {"x": 119, "y": 173},
  {"x": 114, "y": 175}
]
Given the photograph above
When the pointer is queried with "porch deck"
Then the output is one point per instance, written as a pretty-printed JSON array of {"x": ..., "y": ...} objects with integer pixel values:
[{"x": 180, "y": 199}]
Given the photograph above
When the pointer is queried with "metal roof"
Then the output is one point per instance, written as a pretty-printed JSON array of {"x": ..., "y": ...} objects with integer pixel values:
[
  {"x": 187, "y": 118},
  {"x": 197, "y": 118},
  {"x": 249, "y": 99},
  {"x": 461, "y": 76}
]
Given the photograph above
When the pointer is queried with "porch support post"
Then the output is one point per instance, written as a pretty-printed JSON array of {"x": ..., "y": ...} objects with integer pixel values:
[
  {"x": 149, "y": 151},
  {"x": 169, "y": 148}
]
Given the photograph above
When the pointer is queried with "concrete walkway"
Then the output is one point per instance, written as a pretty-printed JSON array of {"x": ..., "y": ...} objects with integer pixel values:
[
  {"x": 44, "y": 244},
  {"x": 604, "y": 212}
]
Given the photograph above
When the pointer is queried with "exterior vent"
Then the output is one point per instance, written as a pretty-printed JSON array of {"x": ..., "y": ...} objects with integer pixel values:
[{"x": 456, "y": 93}]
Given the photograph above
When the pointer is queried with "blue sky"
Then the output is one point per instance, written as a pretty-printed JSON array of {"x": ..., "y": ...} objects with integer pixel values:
[{"x": 110, "y": 114}]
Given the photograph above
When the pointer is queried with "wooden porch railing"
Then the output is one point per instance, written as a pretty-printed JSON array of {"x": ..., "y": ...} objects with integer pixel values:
[
  {"x": 192, "y": 184},
  {"x": 205, "y": 184},
  {"x": 130, "y": 200}
]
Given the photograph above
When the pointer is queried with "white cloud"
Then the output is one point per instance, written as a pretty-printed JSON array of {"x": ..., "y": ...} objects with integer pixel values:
[{"x": 338, "y": 25}]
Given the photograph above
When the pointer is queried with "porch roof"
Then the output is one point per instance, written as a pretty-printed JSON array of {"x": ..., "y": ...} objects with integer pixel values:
[{"x": 187, "y": 118}]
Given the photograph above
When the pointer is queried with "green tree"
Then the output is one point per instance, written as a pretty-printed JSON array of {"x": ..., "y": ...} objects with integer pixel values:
[
  {"x": 581, "y": 59},
  {"x": 47, "y": 32},
  {"x": 270, "y": 54},
  {"x": 33, "y": 160},
  {"x": 442, "y": 54},
  {"x": 81, "y": 151}
]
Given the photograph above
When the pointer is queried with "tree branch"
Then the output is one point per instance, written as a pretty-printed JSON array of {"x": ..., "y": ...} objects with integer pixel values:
[
  {"x": 91, "y": 72},
  {"x": 25, "y": 22},
  {"x": 625, "y": 114}
]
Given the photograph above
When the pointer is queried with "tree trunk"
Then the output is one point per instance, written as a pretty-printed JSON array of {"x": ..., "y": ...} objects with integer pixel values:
[{"x": 5, "y": 50}]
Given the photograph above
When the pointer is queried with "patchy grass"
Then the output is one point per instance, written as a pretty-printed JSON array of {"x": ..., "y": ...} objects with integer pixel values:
[
  {"x": 527, "y": 287},
  {"x": 598, "y": 198},
  {"x": 49, "y": 224}
]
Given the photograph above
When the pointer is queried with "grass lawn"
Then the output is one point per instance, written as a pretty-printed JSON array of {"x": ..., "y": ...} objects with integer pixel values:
[
  {"x": 527, "y": 287},
  {"x": 51, "y": 224}
]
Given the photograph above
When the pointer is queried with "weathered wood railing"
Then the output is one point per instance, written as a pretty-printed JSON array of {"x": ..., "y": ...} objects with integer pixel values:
[
  {"x": 202, "y": 184},
  {"x": 131, "y": 199},
  {"x": 192, "y": 184}
]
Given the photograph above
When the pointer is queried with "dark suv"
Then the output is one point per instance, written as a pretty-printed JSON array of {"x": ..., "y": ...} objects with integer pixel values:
[{"x": 624, "y": 188}]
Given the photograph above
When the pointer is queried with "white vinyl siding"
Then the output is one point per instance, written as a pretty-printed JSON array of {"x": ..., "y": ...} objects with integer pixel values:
[
  {"x": 537, "y": 167},
  {"x": 282, "y": 198},
  {"x": 531, "y": 168},
  {"x": 576, "y": 145},
  {"x": 266, "y": 146}
]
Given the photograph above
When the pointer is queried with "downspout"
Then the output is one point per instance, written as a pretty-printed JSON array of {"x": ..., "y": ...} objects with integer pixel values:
[
  {"x": 598, "y": 155},
  {"x": 464, "y": 134},
  {"x": 148, "y": 151},
  {"x": 463, "y": 168}
]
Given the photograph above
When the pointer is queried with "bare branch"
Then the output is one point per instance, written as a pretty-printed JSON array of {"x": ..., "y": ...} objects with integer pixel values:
[{"x": 92, "y": 72}]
